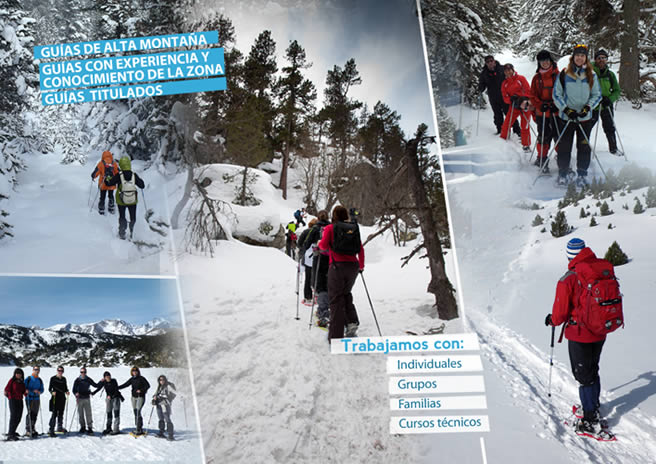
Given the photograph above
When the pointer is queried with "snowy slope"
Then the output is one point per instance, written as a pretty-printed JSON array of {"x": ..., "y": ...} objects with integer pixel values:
[
  {"x": 117, "y": 327},
  {"x": 57, "y": 229},
  {"x": 119, "y": 448},
  {"x": 509, "y": 271},
  {"x": 285, "y": 398}
]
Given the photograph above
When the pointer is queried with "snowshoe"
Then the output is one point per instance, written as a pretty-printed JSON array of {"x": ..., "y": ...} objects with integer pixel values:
[
  {"x": 526, "y": 149},
  {"x": 351, "y": 330},
  {"x": 584, "y": 428},
  {"x": 12, "y": 438},
  {"x": 90, "y": 432},
  {"x": 562, "y": 181},
  {"x": 170, "y": 438},
  {"x": 83, "y": 430},
  {"x": 581, "y": 182},
  {"x": 51, "y": 433},
  {"x": 61, "y": 430},
  {"x": 106, "y": 431},
  {"x": 160, "y": 434},
  {"x": 115, "y": 432},
  {"x": 322, "y": 323}
]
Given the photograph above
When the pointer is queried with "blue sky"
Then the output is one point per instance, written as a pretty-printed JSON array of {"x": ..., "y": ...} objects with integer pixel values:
[{"x": 45, "y": 301}]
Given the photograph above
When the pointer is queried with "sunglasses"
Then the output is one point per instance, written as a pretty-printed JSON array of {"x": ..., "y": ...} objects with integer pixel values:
[
  {"x": 36, "y": 369},
  {"x": 83, "y": 372},
  {"x": 581, "y": 45},
  {"x": 602, "y": 58},
  {"x": 60, "y": 370},
  {"x": 489, "y": 61}
]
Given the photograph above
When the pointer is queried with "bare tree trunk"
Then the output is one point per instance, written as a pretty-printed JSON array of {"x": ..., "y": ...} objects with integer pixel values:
[
  {"x": 175, "y": 217},
  {"x": 630, "y": 53},
  {"x": 439, "y": 284}
]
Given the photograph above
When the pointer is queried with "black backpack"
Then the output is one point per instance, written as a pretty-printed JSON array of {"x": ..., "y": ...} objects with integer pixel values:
[{"x": 346, "y": 238}]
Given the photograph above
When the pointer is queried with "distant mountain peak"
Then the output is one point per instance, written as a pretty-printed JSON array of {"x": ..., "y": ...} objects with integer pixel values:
[{"x": 155, "y": 326}]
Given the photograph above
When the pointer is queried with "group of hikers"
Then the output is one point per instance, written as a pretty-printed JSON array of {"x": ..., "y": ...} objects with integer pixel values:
[
  {"x": 119, "y": 178},
  {"x": 31, "y": 388},
  {"x": 562, "y": 104},
  {"x": 331, "y": 252}
]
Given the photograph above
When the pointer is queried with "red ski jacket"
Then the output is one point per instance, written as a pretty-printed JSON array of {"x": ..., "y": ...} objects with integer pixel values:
[
  {"x": 515, "y": 85},
  {"x": 567, "y": 298},
  {"x": 15, "y": 390},
  {"x": 326, "y": 243},
  {"x": 542, "y": 88}
]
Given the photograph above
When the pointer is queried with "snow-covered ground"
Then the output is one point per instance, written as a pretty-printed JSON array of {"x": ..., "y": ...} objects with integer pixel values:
[
  {"x": 284, "y": 397},
  {"x": 57, "y": 229},
  {"x": 74, "y": 447},
  {"x": 509, "y": 272}
]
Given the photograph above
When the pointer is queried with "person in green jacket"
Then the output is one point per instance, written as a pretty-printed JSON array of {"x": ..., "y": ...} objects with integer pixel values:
[
  {"x": 610, "y": 92},
  {"x": 126, "y": 194}
]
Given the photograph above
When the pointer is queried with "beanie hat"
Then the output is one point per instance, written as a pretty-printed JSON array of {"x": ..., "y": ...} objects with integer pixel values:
[
  {"x": 488, "y": 57},
  {"x": 580, "y": 48},
  {"x": 544, "y": 55},
  {"x": 574, "y": 246},
  {"x": 601, "y": 52},
  {"x": 107, "y": 374}
]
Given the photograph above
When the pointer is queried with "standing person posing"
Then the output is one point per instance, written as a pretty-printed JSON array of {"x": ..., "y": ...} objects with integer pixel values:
[
  {"x": 305, "y": 256},
  {"x": 610, "y": 93},
  {"x": 320, "y": 269},
  {"x": 162, "y": 401},
  {"x": 576, "y": 92},
  {"x": 59, "y": 391},
  {"x": 82, "y": 391},
  {"x": 15, "y": 391},
  {"x": 34, "y": 386},
  {"x": 126, "y": 194},
  {"x": 113, "y": 400},
  {"x": 342, "y": 241},
  {"x": 516, "y": 92},
  {"x": 139, "y": 386},
  {"x": 542, "y": 100},
  {"x": 491, "y": 78},
  {"x": 105, "y": 170}
]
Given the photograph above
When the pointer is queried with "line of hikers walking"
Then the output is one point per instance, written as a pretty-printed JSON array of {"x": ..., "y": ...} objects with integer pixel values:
[
  {"x": 31, "y": 388},
  {"x": 561, "y": 102}
]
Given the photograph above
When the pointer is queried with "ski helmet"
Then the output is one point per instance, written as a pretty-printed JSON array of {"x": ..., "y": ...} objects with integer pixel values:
[{"x": 581, "y": 49}]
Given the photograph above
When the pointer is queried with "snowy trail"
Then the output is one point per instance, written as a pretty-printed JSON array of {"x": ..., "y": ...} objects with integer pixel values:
[{"x": 57, "y": 228}]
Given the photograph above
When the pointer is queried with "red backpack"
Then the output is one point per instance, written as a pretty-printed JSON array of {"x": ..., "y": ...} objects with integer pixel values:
[{"x": 600, "y": 301}]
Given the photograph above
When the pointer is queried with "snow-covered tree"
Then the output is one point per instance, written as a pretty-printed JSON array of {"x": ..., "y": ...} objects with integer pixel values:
[{"x": 615, "y": 255}]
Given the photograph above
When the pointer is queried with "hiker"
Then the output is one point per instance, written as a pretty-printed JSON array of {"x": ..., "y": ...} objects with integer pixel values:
[
  {"x": 320, "y": 269},
  {"x": 15, "y": 391},
  {"x": 610, "y": 93},
  {"x": 126, "y": 194},
  {"x": 305, "y": 256},
  {"x": 34, "y": 387},
  {"x": 290, "y": 243},
  {"x": 105, "y": 170},
  {"x": 59, "y": 391},
  {"x": 542, "y": 100},
  {"x": 572, "y": 308},
  {"x": 491, "y": 78},
  {"x": 82, "y": 391},
  {"x": 575, "y": 94},
  {"x": 341, "y": 240},
  {"x": 113, "y": 399},
  {"x": 139, "y": 386},
  {"x": 516, "y": 92},
  {"x": 299, "y": 215},
  {"x": 162, "y": 401}
]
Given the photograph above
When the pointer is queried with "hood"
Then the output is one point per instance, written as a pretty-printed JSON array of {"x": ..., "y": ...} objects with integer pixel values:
[
  {"x": 107, "y": 157},
  {"x": 584, "y": 255},
  {"x": 18, "y": 370},
  {"x": 125, "y": 164}
]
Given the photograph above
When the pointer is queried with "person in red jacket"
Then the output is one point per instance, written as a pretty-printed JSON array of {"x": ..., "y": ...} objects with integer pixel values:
[
  {"x": 15, "y": 391},
  {"x": 106, "y": 169},
  {"x": 516, "y": 92},
  {"x": 542, "y": 100},
  {"x": 584, "y": 347},
  {"x": 341, "y": 240}
]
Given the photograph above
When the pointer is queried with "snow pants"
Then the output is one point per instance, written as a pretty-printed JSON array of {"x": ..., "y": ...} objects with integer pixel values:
[
  {"x": 582, "y": 130},
  {"x": 307, "y": 287},
  {"x": 164, "y": 417},
  {"x": 32, "y": 414},
  {"x": 101, "y": 202},
  {"x": 500, "y": 109},
  {"x": 608, "y": 124},
  {"x": 546, "y": 135},
  {"x": 511, "y": 119},
  {"x": 584, "y": 358},
  {"x": 341, "y": 277},
  {"x": 57, "y": 416},
  {"x": 123, "y": 223},
  {"x": 137, "y": 406},
  {"x": 15, "y": 415},
  {"x": 84, "y": 413},
  {"x": 113, "y": 411}
]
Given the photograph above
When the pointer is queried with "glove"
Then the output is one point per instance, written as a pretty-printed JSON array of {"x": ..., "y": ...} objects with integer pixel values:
[
  {"x": 547, "y": 320},
  {"x": 605, "y": 101},
  {"x": 361, "y": 270},
  {"x": 553, "y": 108},
  {"x": 545, "y": 107},
  {"x": 584, "y": 112},
  {"x": 571, "y": 114}
]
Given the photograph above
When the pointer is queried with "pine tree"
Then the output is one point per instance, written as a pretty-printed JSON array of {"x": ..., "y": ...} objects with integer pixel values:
[
  {"x": 638, "y": 208},
  {"x": 615, "y": 255},
  {"x": 538, "y": 221},
  {"x": 582, "y": 214},
  {"x": 605, "y": 210},
  {"x": 593, "y": 222},
  {"x": 559, "y": 226},
  {"x": 381, "y": 136},
  {"x": 650, "y": 198}
]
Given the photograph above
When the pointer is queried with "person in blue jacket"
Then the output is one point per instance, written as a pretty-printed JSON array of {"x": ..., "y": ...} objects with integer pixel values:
[
  {"x": 575, "y": 93},
  {"x": 34, "y": 387}
]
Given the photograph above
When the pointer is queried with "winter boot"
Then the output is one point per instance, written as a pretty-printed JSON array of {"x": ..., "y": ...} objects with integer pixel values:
[
  {"x": 83, "y": 430},
  {"x": 110, "y": 205},
  {"x": 51, "y": 433},
  {"x": 562, "y": 180},
  {"x": 584, "y": 427},
  {"x": 581, "y": 181},
  {"x": 107, "y": 431},
  {"x": 526, "y": 149},
  {"x": 160, "y": 434},
  {"x": 351, "y": 330},
  {"x": 89, "y": 431},
  {"x": 114, "y": 432},
  {"x": 322, "y": 323},
  {"x": 612, "y": 143}
]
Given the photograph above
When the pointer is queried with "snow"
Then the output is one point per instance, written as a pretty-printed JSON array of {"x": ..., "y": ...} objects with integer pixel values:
[
  {"x": 509, "y": 272},
  {"x": 118, "y": 448},
  {"x": 116, "y": 326}
]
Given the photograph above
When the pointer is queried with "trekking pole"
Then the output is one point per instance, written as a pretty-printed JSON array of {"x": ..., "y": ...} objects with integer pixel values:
[
  {"x": 184, "y": 408},
  {"x": 90, "y": 190},
  {"x": 43, "y": 430},
  {"x": 94, "y": 200},
  {"x": 151, "y": 415},
  {"x": 66, "y": 417},
  {"x": 6, "y": 400},
  {"x": 594, "y": 153},
  {"x": 478, "y": 113},
  {"x": 544, "y": 117},
  {"x": 371, "y": 304},
  {"x": 553, "y": 333},
  {"x": 73, "y": 417},
  {"x": 298, "y": 284},
  {"x": 316, "y": 279},
  {"x": 597, "y": 131},
  {"x": 612, "y": 118},
  {"x": 29, "y": 416},
  {"x": 510, "y": 121},
  {"x": 145, "y": 204},
  {"x": 553, "y": 149}
]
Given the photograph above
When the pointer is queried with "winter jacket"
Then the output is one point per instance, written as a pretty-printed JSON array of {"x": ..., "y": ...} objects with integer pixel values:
[
  {"x": 315, "y": 233},
  {"x": 577, "y": 92},
  {"x": 302, "y": 243},
  {"x": 82, "y": 387},
  {"x": 34, "y": 383},
  {"x": 542, "y": 86},
  {"x": 515, "y": 86},
  {"x": 565, "y": 307},
  {"x": 111, "y": 389},
  {"x": 105, "y": 169},
  {"x": 137, "y": 382},
  {"x": 60, "y": 387},
  {"x": 165, "y": 394},
  {"x": 126, "y": 170},
  {"x": 327, "y": 242},
  {"x": 608, "y": 83},
  {"x": 491, "y": 80},
  {"x": 15, "y": 389}
]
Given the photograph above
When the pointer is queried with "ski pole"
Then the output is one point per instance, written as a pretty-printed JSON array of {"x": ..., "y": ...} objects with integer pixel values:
[
  {"x": 29, "y": 414},
  {"x": 43, "y": 430},
  {"x": 597, "y": 131},
  {"x": 298, "y": 284},
  {"x": 6, "y": 400},
  {"x": 66, "y": 417},
  {"x": 478, "y": 113},
  {"x": 594, "y": 153},
  {"x": 94, "y": 200},
  {"x": 151, "y": 415},
  {"x": 510, "y": 121},
  {"x": 539, "y": 155},
  {"x": 108, "y": 405},
  {"x": 316, "y": 279},
  {"x": 371, "y": 304},
  {"x": 73, "y": 416},
  {"x": 553, "y": 333},
  {"x": 553, "y": 149},
  {"x": 612, "y": 117},
  {"x": 90, "y": 190},
  {"x": 184, "y": 408}
]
